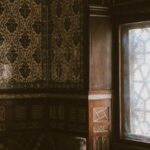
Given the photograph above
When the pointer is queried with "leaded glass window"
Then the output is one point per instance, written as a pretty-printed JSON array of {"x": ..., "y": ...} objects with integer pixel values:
[{"x": 135, "y": 80}]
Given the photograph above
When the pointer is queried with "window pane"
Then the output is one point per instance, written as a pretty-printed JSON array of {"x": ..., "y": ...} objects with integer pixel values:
[{"x": 136, "y": 83}]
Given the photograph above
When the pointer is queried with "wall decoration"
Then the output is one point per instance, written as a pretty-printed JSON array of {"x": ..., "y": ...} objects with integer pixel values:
[
  {"x": 101, "y": 128},
  {"x": 101, "y": 143},
  {"x": 100, "y": 124},
  {"x": 20, "y": 39},
  {"x": 41, "y": 44},
  {"x": 66, "y": 42},
  {"x": 100, "y": 114}
]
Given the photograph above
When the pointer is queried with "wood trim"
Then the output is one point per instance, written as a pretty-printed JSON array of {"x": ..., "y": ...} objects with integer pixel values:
[
  {"x": 100, "y": 95},
  {"x": 100, "y": 92},
  {"x": 43, "y": 95},
  {"x": 124, "y": 14},
  {"x": 99, "y": 124},
  {"x": 99, "y": 11}
]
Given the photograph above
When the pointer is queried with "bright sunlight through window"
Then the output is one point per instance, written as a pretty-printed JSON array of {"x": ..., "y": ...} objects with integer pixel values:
[{"x": 135, "y": 80}]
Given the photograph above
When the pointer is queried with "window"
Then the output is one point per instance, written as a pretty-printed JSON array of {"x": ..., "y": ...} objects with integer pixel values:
[{"x": 135, "y": 80}]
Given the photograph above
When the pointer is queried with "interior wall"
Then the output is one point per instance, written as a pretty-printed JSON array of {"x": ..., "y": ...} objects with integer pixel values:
[
  {"x": 42, "y": 70},
  {"x": 99, "y": 108},
  {"x": 42, "y": 44},
  {"x": 45, "y": 74},
  {"x": 20, "y": 48}
]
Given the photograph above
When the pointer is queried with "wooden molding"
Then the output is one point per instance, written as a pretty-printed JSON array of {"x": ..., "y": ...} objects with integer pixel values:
[
  {"x": 99, "y": 11},
  {"x": 100, "y": 95},
  {"x": 43, "y": 95}
]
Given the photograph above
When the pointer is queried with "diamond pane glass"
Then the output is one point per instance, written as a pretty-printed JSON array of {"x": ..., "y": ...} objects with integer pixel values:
[{"x": 139, "y": 81}]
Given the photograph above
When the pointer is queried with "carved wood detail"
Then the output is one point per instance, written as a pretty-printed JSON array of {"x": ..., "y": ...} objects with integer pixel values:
[{"x": 99, "y": 124}]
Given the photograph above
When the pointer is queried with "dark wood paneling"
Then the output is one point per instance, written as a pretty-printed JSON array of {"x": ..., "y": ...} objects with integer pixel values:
[
  {"x": 99, "y": 78},
  {"x": 32, "y": 115},
  {"x": 36, "y": 113},
  {"x": 100, "y": 53},
  {"x": 99, "y": 124}
]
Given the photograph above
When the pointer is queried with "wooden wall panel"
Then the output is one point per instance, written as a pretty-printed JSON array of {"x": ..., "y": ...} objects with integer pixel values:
[
  {"x": 133, "y": 11},
  {"x": 58, "y": 114},
  {"x": 29, "y": 121},
  {"x": 100, "y": 53},
  {"x": 100, "y": 78},
  {"x": 99, "y": 124},
  {"x": 66, "y": 44}
]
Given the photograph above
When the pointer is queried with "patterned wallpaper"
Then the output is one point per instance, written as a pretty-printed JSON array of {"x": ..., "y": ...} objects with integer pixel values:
[
  {"x": 20, "y": 43},
  {"x": 66, "y": 41},
  {"x": 41, "y": 44}
]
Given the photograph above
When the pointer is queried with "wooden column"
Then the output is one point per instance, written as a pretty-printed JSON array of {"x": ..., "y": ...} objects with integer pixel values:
[{"x": 99, "y": 99}]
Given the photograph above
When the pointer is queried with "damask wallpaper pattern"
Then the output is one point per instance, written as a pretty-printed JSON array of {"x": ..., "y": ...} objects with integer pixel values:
[
  {"x": 66, "y": 41},
  {"x": 20, "y": 42},
  {"x": 41, "y": 44}
]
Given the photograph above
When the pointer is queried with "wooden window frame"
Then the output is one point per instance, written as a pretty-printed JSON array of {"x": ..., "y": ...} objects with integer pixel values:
[
  {"x": 117, "y": 140},
  {"x": 124, "y": 75}
]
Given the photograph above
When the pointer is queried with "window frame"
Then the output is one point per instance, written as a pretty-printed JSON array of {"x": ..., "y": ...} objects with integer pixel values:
[
  {"x": 117, "y": 141},
  {"x": 124, "y": 75}
]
